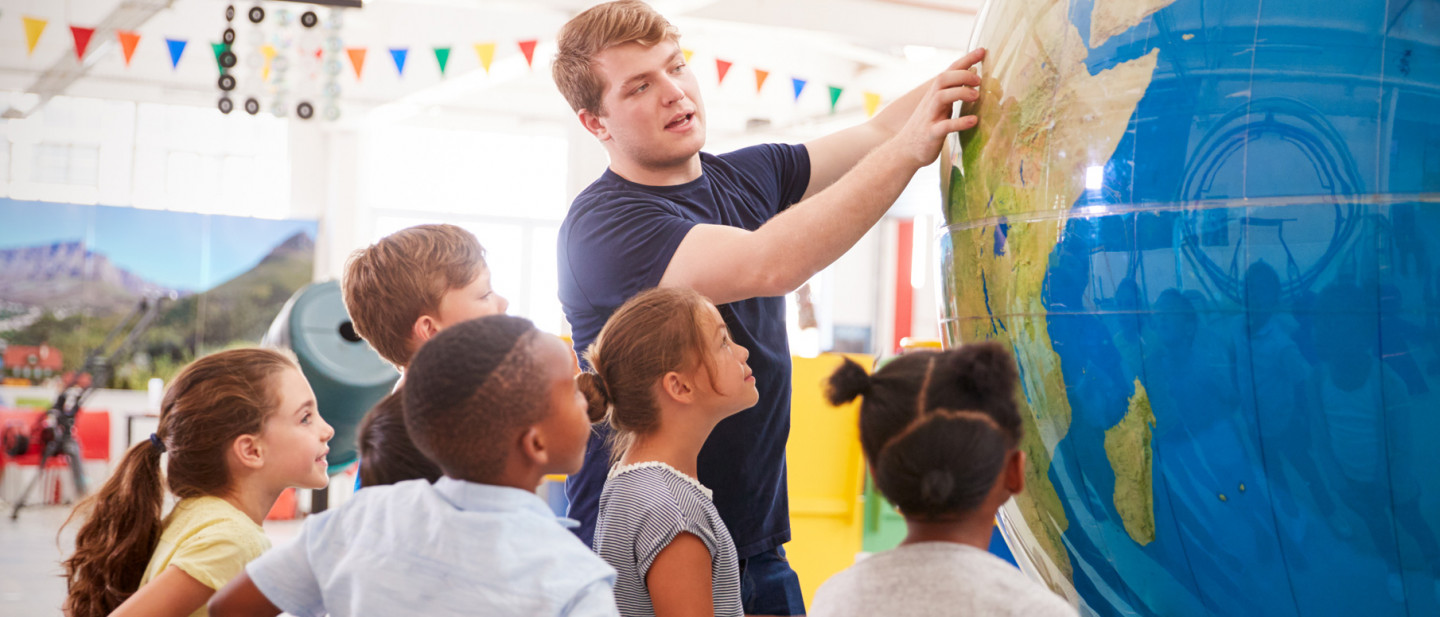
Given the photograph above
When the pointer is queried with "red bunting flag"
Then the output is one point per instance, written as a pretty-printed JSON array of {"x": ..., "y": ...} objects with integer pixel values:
[
  {"x": 128, "y": 41},
  {"x": 82, "y": 40},
  {"x": 528, "y": 48},
  {"x": 760, "y": 79},
  {"x": 357, "y": 59},
  {"x": 721, "y": 68}
]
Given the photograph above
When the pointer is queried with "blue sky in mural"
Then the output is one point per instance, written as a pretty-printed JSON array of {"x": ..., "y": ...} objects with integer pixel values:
[{"x": 168, "y": 248}]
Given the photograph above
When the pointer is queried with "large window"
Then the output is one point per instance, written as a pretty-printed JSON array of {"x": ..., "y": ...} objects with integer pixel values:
[
  {"x": 147, "y": 155},
  {"x": 508, "y": 189}
]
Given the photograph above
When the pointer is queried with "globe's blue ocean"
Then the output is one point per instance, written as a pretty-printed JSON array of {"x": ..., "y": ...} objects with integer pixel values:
[{"x": 1260, "y": 253}]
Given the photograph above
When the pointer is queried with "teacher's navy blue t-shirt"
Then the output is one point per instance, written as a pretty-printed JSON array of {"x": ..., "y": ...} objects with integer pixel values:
[{"x": 617, "y": 241}]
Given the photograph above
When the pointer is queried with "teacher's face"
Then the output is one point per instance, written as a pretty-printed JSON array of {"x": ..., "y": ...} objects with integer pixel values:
[{"x": 651, "y": 111}]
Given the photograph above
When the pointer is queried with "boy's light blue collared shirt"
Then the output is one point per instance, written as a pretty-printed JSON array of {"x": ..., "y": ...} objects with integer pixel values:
[{"x": 452, "y": 548}]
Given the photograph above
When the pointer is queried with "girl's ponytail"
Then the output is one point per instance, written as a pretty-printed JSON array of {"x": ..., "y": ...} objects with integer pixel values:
[{"x": 114, "y": 545}]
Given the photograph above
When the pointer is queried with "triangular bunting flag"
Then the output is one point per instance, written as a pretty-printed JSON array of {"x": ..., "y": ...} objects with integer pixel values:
[
  {"x": 721, "y": 68},
  {"x": 835, "y": 97},
  {"x": 33, "y": 29},
  {"x": 486, "y": 51},
  {"x": 442, "y": 57},
  {"x": 357, "y": 59},
  {"x": 872, "y": 104},
  {"x": 528, "y": 48},
  {"x": 269, "y": 52},
  {"x": 82, "y": 40},
  {"x": 128, "y": 41},
  {"x": 218, "y": 48},
  {"x": 398, "y": 54},
  {"x": 687, "y": 53},
  {"x": 799, "y": 85},
  {"x": 177, "y": 47},
  {"x": 760, "y": 79}
]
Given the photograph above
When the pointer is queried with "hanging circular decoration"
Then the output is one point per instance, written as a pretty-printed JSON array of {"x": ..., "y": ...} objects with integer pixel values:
[
  {"x": 252, "y": 106},
  {"x": 230, "y": 13},
  {"x": 227, "y": 82},
  {"x": 225, "y": 105},
  {"x": 257, "y": 15},
  {"x": 228, "y": 59},
  {"x": 332, "y": 113},
  {"x": 305, "y": 110},
  {"x": 277, "y": 107},
  {"x": 309, "y": 19},
  {"x": 228, "y": 37}
]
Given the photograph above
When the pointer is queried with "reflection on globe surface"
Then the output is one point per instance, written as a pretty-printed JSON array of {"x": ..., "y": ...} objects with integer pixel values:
[{"x": 1209, "y": 230}]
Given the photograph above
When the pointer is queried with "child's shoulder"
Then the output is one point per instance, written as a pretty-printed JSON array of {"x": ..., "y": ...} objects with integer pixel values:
[{"x": 654, "y": 481}]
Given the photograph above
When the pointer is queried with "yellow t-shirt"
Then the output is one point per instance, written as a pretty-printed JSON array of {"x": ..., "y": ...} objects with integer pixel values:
[{"x": 210, "y": 540}]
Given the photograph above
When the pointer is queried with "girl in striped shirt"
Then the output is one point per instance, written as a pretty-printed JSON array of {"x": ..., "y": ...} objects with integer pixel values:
[{"x": 664, "y": 372}]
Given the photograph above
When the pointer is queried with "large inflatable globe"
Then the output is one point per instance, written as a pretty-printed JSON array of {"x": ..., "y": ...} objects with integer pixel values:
[{"x": 1209, "y": 230}]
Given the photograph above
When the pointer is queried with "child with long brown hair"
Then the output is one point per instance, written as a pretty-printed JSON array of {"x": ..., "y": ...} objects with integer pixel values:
[
  {"x": 665, "y": 372},
  {"x": 240, "y": 426}
]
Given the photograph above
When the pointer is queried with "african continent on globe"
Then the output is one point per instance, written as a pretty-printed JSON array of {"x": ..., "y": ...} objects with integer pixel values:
[{"x": 1209, "y": 232}]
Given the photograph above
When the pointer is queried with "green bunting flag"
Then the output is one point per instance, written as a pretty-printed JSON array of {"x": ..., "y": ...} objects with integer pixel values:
[
  {"x": 442, "y": 57},
  {"x": 835, "y": 97}
]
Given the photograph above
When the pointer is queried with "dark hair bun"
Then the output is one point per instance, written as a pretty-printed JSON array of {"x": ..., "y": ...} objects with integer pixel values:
[
  {"x": 846, "y": 383},
  {"x": 596, "y": 397},
  {"x": 986, "y": 369}
]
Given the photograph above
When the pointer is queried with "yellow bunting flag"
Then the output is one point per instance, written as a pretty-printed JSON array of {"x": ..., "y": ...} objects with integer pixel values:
[
  {"x": 760, "y": 79},
  {"x": 687, "y": 53},
  {"x": 872, "y": 104},
  {"x": 128, "y": 41},
  {"x": 357, "y": 59},
  {"x": 33, "y": 28},
  {"x": 269, "y": 52},
  {"x": 486, "y": 51}
]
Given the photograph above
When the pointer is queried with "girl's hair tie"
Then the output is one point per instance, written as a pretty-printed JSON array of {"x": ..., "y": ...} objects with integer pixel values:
[{"x": 158, "y": 443}]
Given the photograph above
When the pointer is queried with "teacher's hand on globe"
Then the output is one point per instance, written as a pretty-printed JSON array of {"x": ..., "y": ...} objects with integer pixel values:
[{"x": 921, "y": 137}]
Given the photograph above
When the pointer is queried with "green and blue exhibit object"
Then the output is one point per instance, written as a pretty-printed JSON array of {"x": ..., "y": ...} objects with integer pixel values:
[
  {"x": 1209, "y": 230},
  {"x": 348, "y": 377}
]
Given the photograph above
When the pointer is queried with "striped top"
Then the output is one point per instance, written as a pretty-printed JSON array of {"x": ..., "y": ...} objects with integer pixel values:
[{"x": 642, "y": 508}]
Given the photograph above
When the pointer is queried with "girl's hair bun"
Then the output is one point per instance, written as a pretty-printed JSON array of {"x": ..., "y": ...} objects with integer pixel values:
[
  {"x": 986, "y": 368},
  {"x": 846, "y": 383},
  {"x": 597, "y": 399}
]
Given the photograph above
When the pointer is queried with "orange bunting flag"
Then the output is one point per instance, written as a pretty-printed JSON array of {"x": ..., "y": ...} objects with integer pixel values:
[
  {"x": 357, "y": 59},
  {"x": 82, "y": 40},
  {"x": 128, "y": 41},
  {"x": 721, "y": 68},
  {"x": 872, "y": 104},
  {"x": 486, "y": 51},
  {"x": 528, "y": 48},
  {"x": 33, "y": 29},
  {"x": 687, "y": 53},
  {"x": 760, "y": 79}
]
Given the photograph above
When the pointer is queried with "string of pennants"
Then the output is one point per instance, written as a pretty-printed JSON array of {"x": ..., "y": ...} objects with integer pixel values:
[{"x": 129, "y": 40}]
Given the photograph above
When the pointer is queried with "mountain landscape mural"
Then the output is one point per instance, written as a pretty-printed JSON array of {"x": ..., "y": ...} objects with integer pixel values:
[{"x": 69, "y": 274}]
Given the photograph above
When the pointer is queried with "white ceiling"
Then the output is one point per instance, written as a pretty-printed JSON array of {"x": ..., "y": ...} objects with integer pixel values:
[{"x": 885, "y": 46}]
